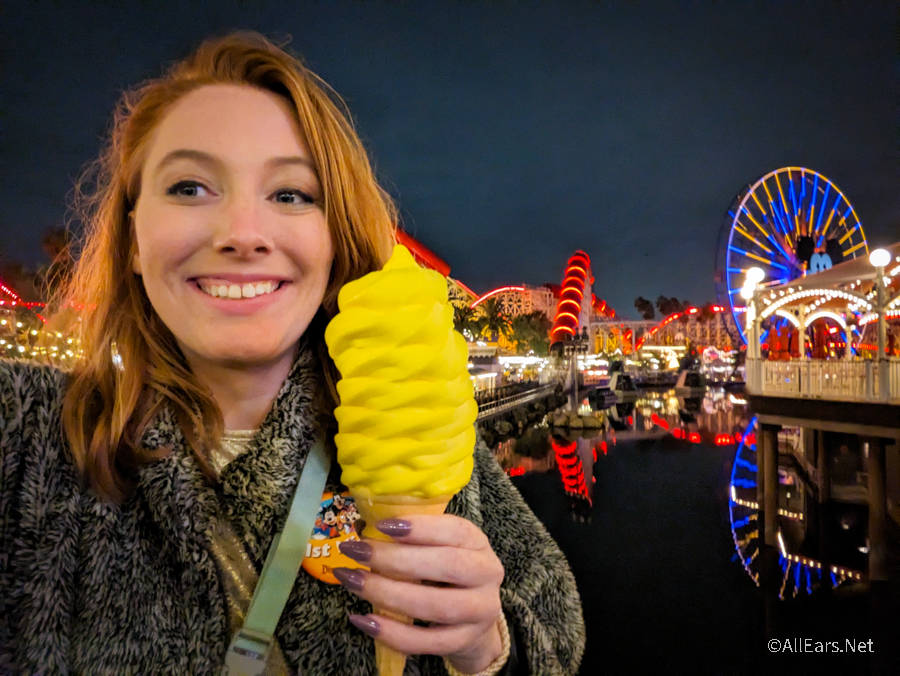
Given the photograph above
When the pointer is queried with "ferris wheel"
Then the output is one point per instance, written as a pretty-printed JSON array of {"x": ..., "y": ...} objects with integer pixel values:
[{"x": 791, "y": 222}]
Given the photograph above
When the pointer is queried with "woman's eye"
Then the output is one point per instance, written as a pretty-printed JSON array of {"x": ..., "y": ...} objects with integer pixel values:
[
  {"x": 187, "y": 189},
  {"x": 292, "y": 197}
]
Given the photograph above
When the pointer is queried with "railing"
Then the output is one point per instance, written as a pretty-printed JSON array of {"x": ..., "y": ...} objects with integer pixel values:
[
  {"x": 490, "y": 409},
  {"x": 836, "y": 379},
  {"x": 893, "y": 378},
  {"x": 494, "y": 394}
]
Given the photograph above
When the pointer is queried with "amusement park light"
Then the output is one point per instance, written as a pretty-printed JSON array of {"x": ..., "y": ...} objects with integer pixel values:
[
  {"x": 879, "y": 258},
  {"x": 747, "y": 290},
  {"x": 755, "y": 275}
]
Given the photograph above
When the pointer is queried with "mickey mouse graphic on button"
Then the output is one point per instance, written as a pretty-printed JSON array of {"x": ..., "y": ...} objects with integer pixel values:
[{"x": 335, "y": 523}]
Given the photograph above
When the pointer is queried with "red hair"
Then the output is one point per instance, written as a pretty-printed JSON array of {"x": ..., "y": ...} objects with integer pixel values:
[{"x": 106, "y": 408}]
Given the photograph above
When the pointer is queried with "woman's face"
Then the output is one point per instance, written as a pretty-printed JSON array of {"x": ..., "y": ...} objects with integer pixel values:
[{"x": 232, "y": 242}]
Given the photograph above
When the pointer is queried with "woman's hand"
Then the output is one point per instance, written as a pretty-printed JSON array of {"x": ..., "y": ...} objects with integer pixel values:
[{"x": 460, "y": 597}]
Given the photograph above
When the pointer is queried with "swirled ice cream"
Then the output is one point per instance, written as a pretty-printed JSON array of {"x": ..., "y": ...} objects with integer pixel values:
[{"x": 405, "y": 423}]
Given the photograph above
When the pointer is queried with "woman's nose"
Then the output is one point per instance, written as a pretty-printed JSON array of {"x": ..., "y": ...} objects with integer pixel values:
[{"x": 242, "y": 231}]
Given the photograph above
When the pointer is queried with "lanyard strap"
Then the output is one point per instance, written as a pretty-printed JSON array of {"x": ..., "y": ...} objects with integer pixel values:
[{"x": 251, "y": 644}]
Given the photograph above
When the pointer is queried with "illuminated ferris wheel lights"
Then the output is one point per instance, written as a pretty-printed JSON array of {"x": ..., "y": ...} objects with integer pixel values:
[
  {"x": 789, "y": 222},
  {"x": 879, "y": 258},
  {"x": 755, "y": 275},
  {"x": 747, "y": 291}
]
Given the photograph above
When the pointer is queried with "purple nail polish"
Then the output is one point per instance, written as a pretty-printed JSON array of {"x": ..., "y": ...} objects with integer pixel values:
[
  {"x": 396, "y": 528},
  {"x": 365, "y": 624},
  {"x": 356, "y": 550},
  {"x": 351, "y": 579}
]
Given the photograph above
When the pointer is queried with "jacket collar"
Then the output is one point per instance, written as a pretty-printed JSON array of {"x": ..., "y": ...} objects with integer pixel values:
[{"x": 256, "y": 488}]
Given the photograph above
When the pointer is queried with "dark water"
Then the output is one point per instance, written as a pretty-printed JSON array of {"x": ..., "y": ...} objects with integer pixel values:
[{"x": 652, "y": 513}]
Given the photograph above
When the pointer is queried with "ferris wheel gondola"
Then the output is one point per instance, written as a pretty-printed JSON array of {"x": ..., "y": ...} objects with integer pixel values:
[{"x": 791, "y": 222}]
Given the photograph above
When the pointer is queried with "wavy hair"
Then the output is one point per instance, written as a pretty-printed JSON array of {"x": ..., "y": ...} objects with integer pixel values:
[{"x": 107, "y": 408}]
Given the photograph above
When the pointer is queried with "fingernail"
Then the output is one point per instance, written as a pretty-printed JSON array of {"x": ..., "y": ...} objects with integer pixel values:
[
  {"x": 356, "y": 550},
  {"x": 350, "y": 578},
  {"x": 365, "y": 624},
  {"x": 396, "y": 528}
]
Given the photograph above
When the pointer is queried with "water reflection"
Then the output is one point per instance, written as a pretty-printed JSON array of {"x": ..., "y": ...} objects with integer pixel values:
[
  {"x": 820, "y": 545},
  {"x": 657, "y": 511}
]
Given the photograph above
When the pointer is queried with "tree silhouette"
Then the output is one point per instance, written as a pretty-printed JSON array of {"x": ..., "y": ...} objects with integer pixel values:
[
  {"x": 645, "y": 307},
  {"x": 668, "y": 306},
  {"x": 467, "y": 321},
  {"x": 532, "y": 332},
  {"x": 706, "y": 314},
  {"x": 496, "y": 321}
]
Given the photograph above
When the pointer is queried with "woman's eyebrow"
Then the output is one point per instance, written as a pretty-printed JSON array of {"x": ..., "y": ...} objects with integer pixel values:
[
  {"x": 291, "y": 160},
  {"x": 214, "y": 162},
  {"x": 198, "y": 156}
]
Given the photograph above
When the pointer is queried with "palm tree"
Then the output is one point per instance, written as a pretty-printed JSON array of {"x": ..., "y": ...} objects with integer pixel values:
[
  {"x": 496, "y": 321},
  {"x": 467, "y": 322}
]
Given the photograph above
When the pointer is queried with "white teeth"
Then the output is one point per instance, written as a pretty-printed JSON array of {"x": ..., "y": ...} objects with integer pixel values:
[{"x": 236, "y": 291}]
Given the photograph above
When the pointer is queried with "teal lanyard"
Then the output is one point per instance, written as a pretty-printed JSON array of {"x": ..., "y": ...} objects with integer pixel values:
[{"x": 250, "y": 647}]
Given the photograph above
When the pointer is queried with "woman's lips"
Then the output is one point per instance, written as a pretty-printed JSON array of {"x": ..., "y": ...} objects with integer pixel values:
[
  {"x": 223, "y": 289},
  {"x": 248, "y": 302}
]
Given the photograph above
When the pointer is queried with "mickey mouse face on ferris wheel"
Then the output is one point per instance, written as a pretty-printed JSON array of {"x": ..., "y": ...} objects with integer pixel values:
[{"x": 819, "y": 262}]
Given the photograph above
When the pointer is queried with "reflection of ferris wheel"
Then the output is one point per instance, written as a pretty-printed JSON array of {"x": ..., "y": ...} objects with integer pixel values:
[{"x": 789, "y": 222}]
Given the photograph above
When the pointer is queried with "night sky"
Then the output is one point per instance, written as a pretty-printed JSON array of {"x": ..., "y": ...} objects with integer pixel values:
[{"x": 510, "y": 133}]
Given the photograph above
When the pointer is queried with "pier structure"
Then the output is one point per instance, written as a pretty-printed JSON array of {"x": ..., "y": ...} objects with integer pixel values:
[{"x": 827, "y": 400}]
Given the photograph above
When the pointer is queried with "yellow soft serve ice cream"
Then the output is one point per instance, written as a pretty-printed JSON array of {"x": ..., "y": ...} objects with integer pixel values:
[{"x": 405, "y": 423}]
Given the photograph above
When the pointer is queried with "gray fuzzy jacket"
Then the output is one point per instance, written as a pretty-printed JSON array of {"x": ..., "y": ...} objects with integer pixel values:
[{"x": 92, "y": 588}]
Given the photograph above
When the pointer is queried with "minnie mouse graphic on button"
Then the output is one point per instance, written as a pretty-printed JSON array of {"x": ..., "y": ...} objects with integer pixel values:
[{"x": 335, "y": 523}]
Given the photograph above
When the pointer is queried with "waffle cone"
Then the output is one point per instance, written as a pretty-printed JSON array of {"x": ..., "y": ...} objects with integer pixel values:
[{"x": 374, "y": 508}]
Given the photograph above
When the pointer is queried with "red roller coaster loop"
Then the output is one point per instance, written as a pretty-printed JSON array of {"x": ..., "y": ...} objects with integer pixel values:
[{"x": 574, "y": 281}]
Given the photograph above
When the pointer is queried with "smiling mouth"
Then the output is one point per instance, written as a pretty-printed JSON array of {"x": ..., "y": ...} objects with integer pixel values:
[{"x": 238, "y": 291}]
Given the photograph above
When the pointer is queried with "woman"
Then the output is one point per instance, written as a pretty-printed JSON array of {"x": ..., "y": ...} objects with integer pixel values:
[{"x": 140, "y": 493}]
